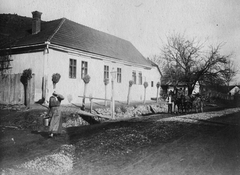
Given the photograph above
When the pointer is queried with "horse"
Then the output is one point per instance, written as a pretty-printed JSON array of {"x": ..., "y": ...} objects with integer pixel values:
[
  {"x": 197, "y": 103},
  {"x": 180, "y": 103},
  {"x": 187, "y": 103}
]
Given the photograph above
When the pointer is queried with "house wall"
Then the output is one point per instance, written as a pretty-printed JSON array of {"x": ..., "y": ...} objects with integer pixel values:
[
  {"x": 58, "y": 62},
  {"x": 234, "y": 90},
  {"x": 55, "y": 61},
  {"x": 35, "y": 61}
]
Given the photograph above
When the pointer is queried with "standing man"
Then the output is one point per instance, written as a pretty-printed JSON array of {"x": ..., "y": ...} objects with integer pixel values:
[{"x": 170, "y": 104}]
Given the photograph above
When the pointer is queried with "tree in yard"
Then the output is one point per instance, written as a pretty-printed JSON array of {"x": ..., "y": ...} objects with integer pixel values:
[
  {"x": 55, "y": 79},
  {"x": 188, "y": 62},
  {"x": 129, "y": 91},
  {"x": 25, "y": 78},
  {"x": 106, "y": 81},
  {"x": 145, "y": 84},
  {"x": 86, "y": 80}
]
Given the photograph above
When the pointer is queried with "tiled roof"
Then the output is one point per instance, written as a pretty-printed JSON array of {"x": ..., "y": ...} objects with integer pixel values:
[{"x": 70, "y": 34}]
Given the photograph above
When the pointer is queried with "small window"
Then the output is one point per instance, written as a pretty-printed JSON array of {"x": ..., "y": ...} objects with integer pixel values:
[
  {"x": 140, "y": 78},
  {"x": 151, "y": 83},
  {"x": 106, "y": 72},
  {"x": 84, "y": 69},
  {"x": 119, "y": 75},
  {"x": 72, "y": 68},
  {"x": 134, "y": 77}
]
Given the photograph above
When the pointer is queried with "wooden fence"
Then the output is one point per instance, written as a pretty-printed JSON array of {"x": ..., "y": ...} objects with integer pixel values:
[{"x": 12, "y": 90}]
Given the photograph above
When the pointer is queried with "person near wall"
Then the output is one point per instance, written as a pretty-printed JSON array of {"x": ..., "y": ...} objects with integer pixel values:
[
  {"x": 55, "y": 114},
  {"x": 170, "y": 101},
  {"x": 180, "y": 93}
]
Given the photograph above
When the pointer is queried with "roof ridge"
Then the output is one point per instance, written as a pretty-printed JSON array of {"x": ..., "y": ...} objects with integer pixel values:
[{"x": 56, "y": 30}]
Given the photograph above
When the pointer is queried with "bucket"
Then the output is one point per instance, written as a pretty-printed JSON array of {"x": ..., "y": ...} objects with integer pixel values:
[{"x": 46, "y": 121}]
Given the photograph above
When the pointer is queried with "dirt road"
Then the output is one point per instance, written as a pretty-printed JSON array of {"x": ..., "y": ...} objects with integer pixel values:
[{"x": 147, "y": 145}]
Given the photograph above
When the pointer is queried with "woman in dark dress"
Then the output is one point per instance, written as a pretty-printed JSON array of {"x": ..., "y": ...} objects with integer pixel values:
[{"x": 55, "y": 114}]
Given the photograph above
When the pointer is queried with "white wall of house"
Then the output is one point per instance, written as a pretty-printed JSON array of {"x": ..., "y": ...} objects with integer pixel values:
[
  {"x": 234, "y": 90},
  {"x": 58, "y": 62}
]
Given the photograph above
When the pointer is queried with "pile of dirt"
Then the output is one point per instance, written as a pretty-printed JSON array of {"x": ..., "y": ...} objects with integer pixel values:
[{"x": 56, "y": 163}]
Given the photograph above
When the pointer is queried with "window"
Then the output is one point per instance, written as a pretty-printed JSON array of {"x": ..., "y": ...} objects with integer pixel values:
[
  {"x": 106, "y": 72},
  {"x": 119, "y": 75},
  {"x": 72, "y": 68},
  {"x": 151, "y": 83},
  {"x": 140, "y": 78},
  {"x": 84, "y": 69},
  {"x": 134, "y": 77}
]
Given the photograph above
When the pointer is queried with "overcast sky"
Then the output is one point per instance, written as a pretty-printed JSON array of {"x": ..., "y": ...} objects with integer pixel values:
[{"x": 146, "y": 23}]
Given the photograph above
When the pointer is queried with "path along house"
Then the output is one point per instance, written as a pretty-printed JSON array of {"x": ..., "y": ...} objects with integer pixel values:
[{"x": 74, "y": 50}]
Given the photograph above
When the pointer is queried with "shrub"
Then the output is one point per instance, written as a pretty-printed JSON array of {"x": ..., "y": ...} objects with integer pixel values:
[
  {"x": 123, "y": 109},
  {"x": 130, "y": 83},
  {"x": 86, "y": 79},
  {"x": 145, "y": 84},
  {"x": 26, "y": 75},
  {"x": 106, "y": 81},
  {"x": 55, "y": 78}
]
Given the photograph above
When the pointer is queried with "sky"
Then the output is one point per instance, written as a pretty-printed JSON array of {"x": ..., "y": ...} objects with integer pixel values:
[{"x": 147, "y": 23}]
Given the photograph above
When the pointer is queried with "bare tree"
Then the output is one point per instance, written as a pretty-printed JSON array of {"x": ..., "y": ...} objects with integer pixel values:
[
  {"x": 229, "y": 72},
  {"x": 188, "y": 62}
]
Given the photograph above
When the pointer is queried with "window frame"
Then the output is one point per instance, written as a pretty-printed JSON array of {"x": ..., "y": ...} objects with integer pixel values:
[
  {"x": 134, "y": 77},
  {"x": 119, "y": 75},
  {"x": 84, "y": 68},
  {"x": 106, "y": 72},
  {"x": 72, "y": 68}
]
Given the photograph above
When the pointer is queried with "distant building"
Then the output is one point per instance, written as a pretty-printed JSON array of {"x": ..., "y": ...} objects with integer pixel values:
[
  {"x": 169, "y": 86},
  {"x": 234, "y": 90}
]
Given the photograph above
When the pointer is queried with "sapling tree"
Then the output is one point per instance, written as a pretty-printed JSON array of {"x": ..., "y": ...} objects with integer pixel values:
[
  {"x": 55, "y": 79},
  {"x": 145, "y": 84},
  {"x": 25, "y": 78},
  {"x": 86, "y": 80},
  {"x": 106, "y": 82},
  {"x": 129, "y": 91}
]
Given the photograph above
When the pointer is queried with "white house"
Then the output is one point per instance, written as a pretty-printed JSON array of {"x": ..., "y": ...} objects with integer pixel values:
[
  {"x": 234, "y": 90},
  {"x": 73, "y": 50}
]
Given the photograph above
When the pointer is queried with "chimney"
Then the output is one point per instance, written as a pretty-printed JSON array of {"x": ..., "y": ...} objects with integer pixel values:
[{"x": 36, "y": 22}]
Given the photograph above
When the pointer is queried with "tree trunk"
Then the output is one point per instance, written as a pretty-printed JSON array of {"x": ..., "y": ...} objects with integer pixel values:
[
  {"x": 128, "y": 97},
  {"x": 105, "y": 95},
  {"x": 144, "y": 101},
  {"x": 84, "y": 94},
  {"x": 190, "y": 89},
  {"x": 91, "y": 105},
  {"x": 27, "y": 94},
  {"x": 54, "y": 85}
]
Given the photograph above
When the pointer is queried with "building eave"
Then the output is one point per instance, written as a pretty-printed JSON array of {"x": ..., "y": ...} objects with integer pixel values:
[
  {"x": 48, "y": 45},
  {"x": 96, "y": 56}
]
